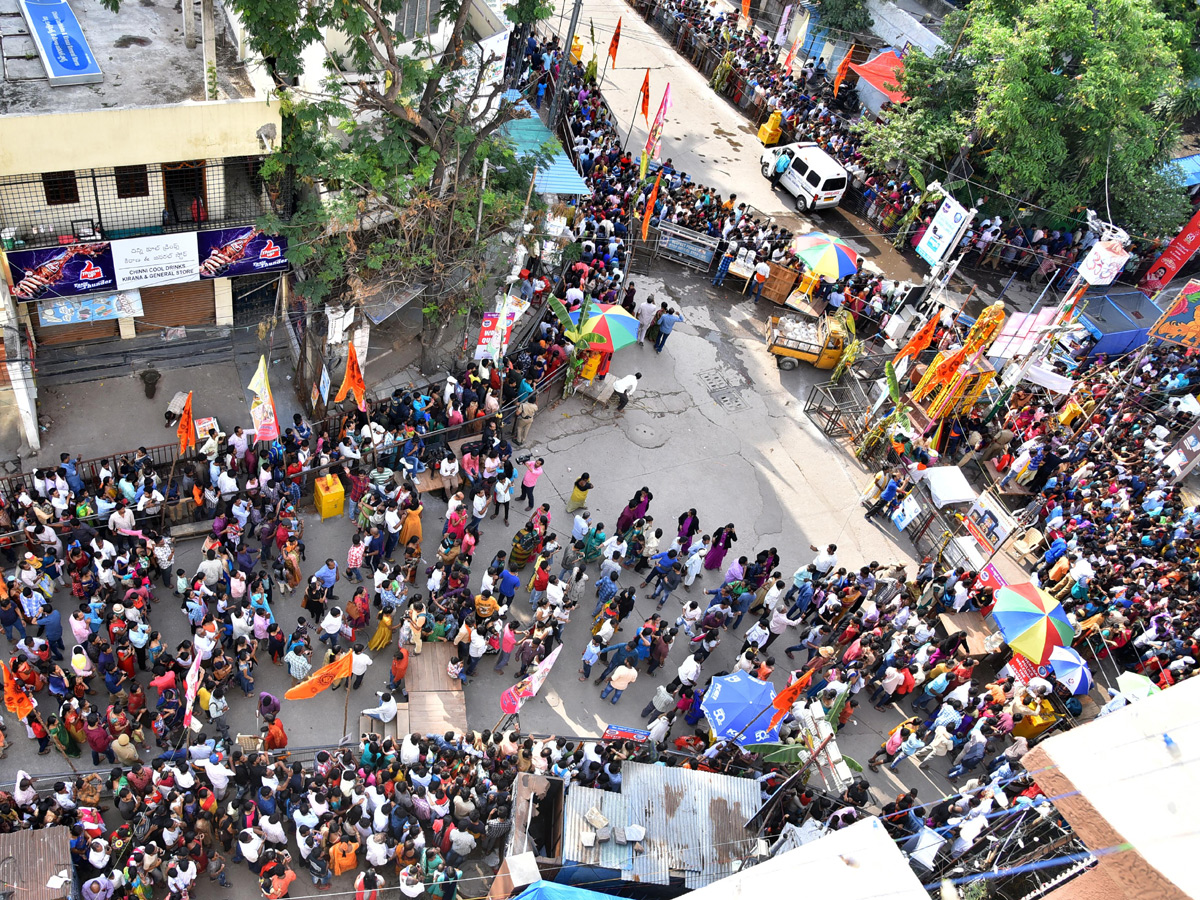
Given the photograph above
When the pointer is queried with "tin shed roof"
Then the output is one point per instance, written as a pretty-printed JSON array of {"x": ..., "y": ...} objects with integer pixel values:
[
  {"x": 608, "y": 854},
  {"x": 694, "y": 823},
  {"x": 528, "y": 136},
  {"x": 29, "y": 859}
]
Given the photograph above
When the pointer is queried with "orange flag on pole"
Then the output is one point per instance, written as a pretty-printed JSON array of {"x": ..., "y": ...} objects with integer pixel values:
[
  {"x": 645, "y": 92},
  {"x": 353, "y": 380},
  {"x": 919, "y": 342},
  {"x": 612, "y": 45},
  {"x": 187, "y": 427},
  {"x": 16, "y": 701},
  {"x": 789, "y": 695},
  {"x": 322, "y": 678},
  {"x": 746, "y": 10},
  {"x": 649, "y": 210},
  {"x": 843, "y": 69}
]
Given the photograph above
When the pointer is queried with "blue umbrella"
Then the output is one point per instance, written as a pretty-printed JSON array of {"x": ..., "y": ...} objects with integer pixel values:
[
  {"x": 738, "y": 708},
  {"x": 1071, "y": 670}
]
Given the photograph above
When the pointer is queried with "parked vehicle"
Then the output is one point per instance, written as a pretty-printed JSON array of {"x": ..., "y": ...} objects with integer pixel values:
[{"x": 813, "y": 177}]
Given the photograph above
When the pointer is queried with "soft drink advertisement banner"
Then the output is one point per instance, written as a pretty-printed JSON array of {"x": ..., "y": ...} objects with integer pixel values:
[
  {"x": 240, "y": 251},
  {"x": 62, "y": 271}
]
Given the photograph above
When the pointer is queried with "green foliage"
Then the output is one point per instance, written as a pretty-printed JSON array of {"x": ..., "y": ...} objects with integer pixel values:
[
  {"x": 845, "y": 15},
  {"x": 1047, "y": 97},
  {"x": 527, "y": 12},
  {"x": 1149, "y": 202}
]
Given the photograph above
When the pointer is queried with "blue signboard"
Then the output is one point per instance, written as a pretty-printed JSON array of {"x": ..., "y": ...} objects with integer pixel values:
[
  {"x": 60, "y": 41},
  {"x": 81, "y": 310}
]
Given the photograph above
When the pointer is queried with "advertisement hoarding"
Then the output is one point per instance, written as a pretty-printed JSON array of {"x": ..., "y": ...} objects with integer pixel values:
[{"x": 938, "y": 240}]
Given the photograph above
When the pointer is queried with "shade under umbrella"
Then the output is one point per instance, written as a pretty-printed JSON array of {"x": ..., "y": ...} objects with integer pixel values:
[
  {"x": 1136, "y": 686},
  {"x": 1071, "y": 669},
  {"x": 739, "y": 709},
  {"x": 1032, "y": 622},
  {"x": 611, "y": 322},
  {"x": 826, "y": 255}
]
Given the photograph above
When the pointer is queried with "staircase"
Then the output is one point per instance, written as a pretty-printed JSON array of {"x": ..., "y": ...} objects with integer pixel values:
[{"x": 116, "y": 358}]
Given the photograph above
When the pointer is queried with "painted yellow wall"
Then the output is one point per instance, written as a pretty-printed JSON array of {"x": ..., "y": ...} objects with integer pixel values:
[{"x": 127, "y": 137}]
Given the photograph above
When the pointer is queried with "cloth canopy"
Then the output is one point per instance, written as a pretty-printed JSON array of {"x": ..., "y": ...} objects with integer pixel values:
[
  {"x": 884, "y": 69},
  {"x": 947, "y": 485}
]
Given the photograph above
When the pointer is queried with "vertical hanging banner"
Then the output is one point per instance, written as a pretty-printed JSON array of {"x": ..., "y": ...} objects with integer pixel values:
[
  {"x": 1171, "y": 260},
  {"x": 781, "y": 31},
  {"x": 186, "y": 431},
  {"x": 352, "y": 381},
  {"x": 262, "y": 409},
  {"x": 654, "y": 139}
]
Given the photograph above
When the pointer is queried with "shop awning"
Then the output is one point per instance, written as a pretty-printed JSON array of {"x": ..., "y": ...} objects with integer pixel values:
[
  {"x": 883, "y": 73},
  {"x": 948, "y": 484},
  {"x": 528, "y": 136}
]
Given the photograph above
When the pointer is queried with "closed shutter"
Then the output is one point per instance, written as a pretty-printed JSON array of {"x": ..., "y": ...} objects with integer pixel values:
[
  {"x": 177, "y": 304},
  {"x": 73, "y": 334}
]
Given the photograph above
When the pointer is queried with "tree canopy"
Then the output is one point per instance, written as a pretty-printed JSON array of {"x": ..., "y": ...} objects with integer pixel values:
[{"x": 1053, "y": 102}]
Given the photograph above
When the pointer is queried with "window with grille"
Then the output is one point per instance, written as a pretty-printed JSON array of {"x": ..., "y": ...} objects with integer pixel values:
[
  {"x": 132, "y": 181},
  {"x": 415, "y": 19},
  {"x": 60, "y": 188}
]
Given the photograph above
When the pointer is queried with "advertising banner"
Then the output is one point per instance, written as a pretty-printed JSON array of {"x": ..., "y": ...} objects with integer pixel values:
[
  {"x": 156, "y": 260},
  {"x": 621, "y": 733},
  {"x": 493, "y": 340},
  {"x": 240, "y": 251},
  {"x": 988, "y": 522},
  {"x": 512, "y": 699},
  {"x": 65, "y": 311},
  {"x": 1171, "y": 260},
  {"x": 1180, "y": 322},
  {"x": 1103, "y": 262},
  {"x": 938, "y": 239},
  {"x": 62, "y": 271},
  {"x": 262, "y": 408},
  {"x": 654, "y": 138}
]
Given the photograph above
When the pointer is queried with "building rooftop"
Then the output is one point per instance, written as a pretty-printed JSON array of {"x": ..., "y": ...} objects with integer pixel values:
[{"x": 141, "y": 54}]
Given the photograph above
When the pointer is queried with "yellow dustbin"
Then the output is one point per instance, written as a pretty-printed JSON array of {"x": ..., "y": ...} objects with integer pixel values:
[
  {"x": 576, "y": 50},
  {"x": 329, "y": 497}
]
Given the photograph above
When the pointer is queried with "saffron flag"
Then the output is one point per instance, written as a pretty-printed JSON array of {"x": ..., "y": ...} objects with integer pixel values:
[
  {"x": 353, "y": 380},
  {"x": 787, "y": 697},
  {"x": 649, "y": 210},
  {"x": 262, "y": 409},
  {"x": 186, "y": 431},
  {"x": 919, "y": 342},
  {"x": 654, "y": 139},
  {"x": 645, "y": 95},
  {"x": 612, "y": 45},
  {"x": 322, "y": 678},
  {"x": 16, "y": 701},
  {"x": 746, "y": 10},
  {"x": 526, "y": 689},
  {"x": 842, "y": 69}
]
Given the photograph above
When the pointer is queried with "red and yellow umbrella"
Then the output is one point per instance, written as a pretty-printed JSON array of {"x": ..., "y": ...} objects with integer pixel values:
[{"x": 1032, "y": 622}]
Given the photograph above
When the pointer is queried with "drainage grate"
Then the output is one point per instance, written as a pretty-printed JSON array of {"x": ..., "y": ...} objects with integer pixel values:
[
  {"x": 714, "y": 380},
  {"x": 731, "y": 400}
]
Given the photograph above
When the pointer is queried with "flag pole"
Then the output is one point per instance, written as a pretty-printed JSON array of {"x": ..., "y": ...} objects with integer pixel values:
[
  {"x": 629, "y": 134},
  {"x": 603, "y": 72},
  {"x": 346, "y": 710}
]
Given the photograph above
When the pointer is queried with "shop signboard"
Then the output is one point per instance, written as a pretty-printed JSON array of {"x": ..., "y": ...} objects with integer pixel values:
[
  {"x": 61, "y": 43},
  {"x": 101, "y": 308},
  {"x": 61, "y": 271},
  {"x": 156, "y": 260}
]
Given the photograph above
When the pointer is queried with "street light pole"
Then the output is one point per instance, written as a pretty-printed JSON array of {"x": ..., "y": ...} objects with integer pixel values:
[{"x": 558, "y": 85}]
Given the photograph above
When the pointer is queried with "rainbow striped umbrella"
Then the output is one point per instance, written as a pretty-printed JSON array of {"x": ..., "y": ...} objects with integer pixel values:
[
  {"x": 611, "y": 322},
  {"x": 825, "y": 255},
  {"x": 1032, "y": 621}
]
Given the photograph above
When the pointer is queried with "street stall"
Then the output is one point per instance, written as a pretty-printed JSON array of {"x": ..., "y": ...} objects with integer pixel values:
[{"x": 1118, "y": 322}]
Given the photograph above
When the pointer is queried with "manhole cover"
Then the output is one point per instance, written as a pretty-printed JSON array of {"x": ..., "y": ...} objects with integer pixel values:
[{"x": 731, "y": 400}]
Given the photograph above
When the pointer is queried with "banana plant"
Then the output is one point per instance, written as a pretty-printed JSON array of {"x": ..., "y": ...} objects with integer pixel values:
[
  {"x": 897, "y": 418},
  {"x": 579, "y": 338}
]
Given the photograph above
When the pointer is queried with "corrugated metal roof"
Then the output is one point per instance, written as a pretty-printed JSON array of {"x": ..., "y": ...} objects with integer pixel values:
[
  {"x": 1189, "y": 169},
  {"x": 693, "y": 822},
  {"x": 609, "y": 854},
  {"x": 29, "y": 858},
  {"x": 529, "y": 136}
]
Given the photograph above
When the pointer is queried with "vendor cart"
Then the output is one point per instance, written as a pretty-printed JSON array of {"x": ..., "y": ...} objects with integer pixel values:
[{"x": 819, "y": 342}]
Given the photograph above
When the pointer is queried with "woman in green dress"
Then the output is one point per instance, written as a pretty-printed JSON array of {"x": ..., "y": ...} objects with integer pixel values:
[
  {"x": 59, "y": 732},
  {"x": 524, "y": 543},
  {"x": 593, "y": 542}
]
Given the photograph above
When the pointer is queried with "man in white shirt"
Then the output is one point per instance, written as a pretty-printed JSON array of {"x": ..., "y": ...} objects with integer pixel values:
[
  {"x": 826, "y": 559},
  {"x": 385, "y": 711},
  {"x": 762, "y": 271},
  {"x": 624, "y": 387},
  {"x": 645, "y": 315}
]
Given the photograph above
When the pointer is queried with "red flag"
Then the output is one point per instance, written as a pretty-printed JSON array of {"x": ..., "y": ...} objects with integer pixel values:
[
  {"x": 842, "y": 70},
  {"x": 353, "y": 380},
  {"x": 645, "y": 93},
  {"x": 787, "y": 63},
  {"x": 612, "y": 45},
  {"x": 649, "y": 210},
  {"x": 187, "y": 427},
  {"x": 789, "y": 695}
]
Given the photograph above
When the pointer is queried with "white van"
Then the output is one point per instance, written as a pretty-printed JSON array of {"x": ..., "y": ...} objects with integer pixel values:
[{"x": 814, "y": 178}]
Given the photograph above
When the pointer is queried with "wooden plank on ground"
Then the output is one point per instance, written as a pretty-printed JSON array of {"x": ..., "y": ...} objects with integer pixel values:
[
  {"x": 975, "y": 626},
  {"x": 436, "y": 712},
  {"x": 427, "y": 669}
]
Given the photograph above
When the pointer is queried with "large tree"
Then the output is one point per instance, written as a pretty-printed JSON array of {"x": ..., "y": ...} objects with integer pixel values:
[
  {"x": 391, "y": 152},
  {"x": 1052, "y": 101}
]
